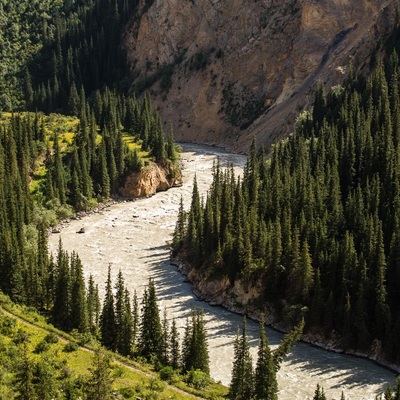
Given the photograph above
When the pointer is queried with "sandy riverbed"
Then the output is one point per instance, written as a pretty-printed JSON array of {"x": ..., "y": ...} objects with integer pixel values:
[{"x": 134, "y": 236}]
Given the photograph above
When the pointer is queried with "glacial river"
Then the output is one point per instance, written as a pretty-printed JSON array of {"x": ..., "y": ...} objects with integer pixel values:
[{"x": 134, "y": 237}]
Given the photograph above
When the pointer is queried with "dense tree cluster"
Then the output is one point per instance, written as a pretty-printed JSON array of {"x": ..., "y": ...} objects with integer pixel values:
[
  {"x": 142, "y": 333},
  {"x": 119, "y": 324},
  {"x": 97, "y": 162},
  {"x": 64, "y": 56},
  {"x": 44, "y": 177},
  {"x": 318, "y": 220},
  {"x": 21, "y": 27},
  {"x": 51, "y": 50}
]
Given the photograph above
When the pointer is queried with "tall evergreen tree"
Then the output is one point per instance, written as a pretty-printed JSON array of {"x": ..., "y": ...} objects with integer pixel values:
[
  {"x": 266, "y": 385},
  {"x": 319, "y": 393},
  {"x": 24, "y": 376},
  {"x": 150, "y": 338},
  {"x": 174, "y": 346},
  {"x": 165, "y": 345},
  {"x": 242, "y": 382},
  {"x": 127, "y": 343},
  {"x": 62, "y": 300},
  {"x": 135, "y": 322},
  {"x": 107, "y": 317},
  {"x": 93, "y": 306},
  {"x": 79, "y": 312}
]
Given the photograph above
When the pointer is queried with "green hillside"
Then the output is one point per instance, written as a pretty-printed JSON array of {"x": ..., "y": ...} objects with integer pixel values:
[{"x": 49, "y": 363}]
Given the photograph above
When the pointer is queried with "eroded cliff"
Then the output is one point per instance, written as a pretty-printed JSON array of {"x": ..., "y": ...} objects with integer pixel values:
[
  {"x": 151, "y": 179},
  {"x": 223, "y": 71}
]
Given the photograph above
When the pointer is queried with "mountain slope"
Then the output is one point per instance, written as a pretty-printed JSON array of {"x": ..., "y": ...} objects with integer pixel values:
[{"x": 224, "y": 71}]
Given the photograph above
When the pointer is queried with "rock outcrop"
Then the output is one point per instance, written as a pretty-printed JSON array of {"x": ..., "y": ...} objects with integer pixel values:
[
  {"x": 223, "y": 71},
  {"x": 151, "y": 179},
  {"x": 243, "y": 297}
]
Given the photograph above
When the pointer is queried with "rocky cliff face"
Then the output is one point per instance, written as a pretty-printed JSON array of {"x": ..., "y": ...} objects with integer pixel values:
[
  {"x": 223, "y": 71},
  {"x": 151, "y": 179},
  {"x": 243, "y": 297}
]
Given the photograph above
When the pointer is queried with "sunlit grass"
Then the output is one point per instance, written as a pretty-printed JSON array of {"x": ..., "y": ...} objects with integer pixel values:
[
  {"x": 5, "y": 116},
  {"x": 79, "y": 362},
  {"x": 133, "y": 144},
  {"x": 63, "y": 125}
]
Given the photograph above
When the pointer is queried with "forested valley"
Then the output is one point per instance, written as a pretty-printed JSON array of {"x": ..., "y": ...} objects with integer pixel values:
[
  {"x": 70, "y": 133},
  {"x": 53, "y": 165},
  {"x": 317, "y": 220}
]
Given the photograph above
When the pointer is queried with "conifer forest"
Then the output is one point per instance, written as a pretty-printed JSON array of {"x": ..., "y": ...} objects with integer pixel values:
[{"x": 315, "y": 218}]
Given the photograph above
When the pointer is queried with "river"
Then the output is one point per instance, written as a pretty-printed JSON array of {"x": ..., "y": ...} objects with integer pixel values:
[{"x": 133, "y": 236}]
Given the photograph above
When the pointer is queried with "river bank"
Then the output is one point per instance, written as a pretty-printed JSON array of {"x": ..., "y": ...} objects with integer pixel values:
[{"x": 267, "y": 314}]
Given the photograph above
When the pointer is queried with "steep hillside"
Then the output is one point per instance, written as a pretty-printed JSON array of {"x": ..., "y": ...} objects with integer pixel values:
[{"x": 224, "y": 71}]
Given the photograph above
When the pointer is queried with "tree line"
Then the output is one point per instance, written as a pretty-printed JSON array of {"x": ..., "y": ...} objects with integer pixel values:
[
  {"x": 317, "y": 221},
  {"x": 120, "y": 323}
]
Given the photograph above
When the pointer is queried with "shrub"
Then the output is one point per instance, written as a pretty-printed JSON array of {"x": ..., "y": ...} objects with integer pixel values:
[
  {"x": 155, "y": 385},
  {"x": 167, "y": 373},
  {"x": 127, "y": 392},
  {"x": 20, "y": 337},
  {"x": 42, "y": 347},
  {"x": 198, "y": 379},
  {"x": 7, "y": 326},
  {"x": 51, "y": 338},
  {"x": 70, "y": 347}
]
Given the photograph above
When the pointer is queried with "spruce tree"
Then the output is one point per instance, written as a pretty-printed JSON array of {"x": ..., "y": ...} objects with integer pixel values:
[
  {"x": 266, "y": 385},
  {"x": 174, "y": 346},
  {"x": 287, "y": 342},
  {"x": 104, "y": 176},
  {"x": 79, "y": 312},
  {"x": 150, "y": 338},
  {"x": 135, "y": 322},
  {"x": 93, "y": 306},
  {"x": 62, "y": 300},
  {"x": 107, "y": 317},
  {"x": 319, "y": 393},
  {"x": 119, "y": 312},
  {"x": 195, "y": 347},
  {"x": 179, "y": 232},
  {"x": 200, "y": 344},
  {"x": 45, "y": 379},
  {"x": 100, "y": 381},
  {"x": 171, "y": 152},
  {"x": 242, "y": 382},
  {"x": 42, "y": 261},
  {"x": 165, "y": 345},
  {"x": 24, "y": 376}
]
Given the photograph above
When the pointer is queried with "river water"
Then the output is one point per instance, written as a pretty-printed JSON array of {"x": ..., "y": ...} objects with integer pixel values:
[{"x": 134, "y": 237}]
